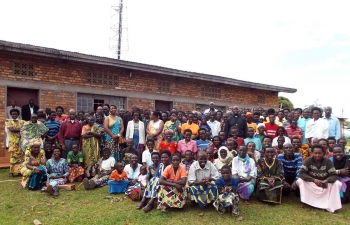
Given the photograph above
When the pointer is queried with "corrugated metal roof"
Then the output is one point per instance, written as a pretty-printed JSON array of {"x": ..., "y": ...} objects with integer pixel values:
[{"x": 67, "y": 55}]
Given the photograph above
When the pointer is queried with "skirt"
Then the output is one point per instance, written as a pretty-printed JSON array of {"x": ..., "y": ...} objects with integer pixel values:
[
  {"x": 227, "y": 200},
  {"x": 318, "y": 197},
  {"x": 151, "y": 188},
  {"x": 246, "y": 189},
  {"x": 74, "y": 173},
  {"x": 203, "y": 194},
  {"x": 169, "y": 197},
  {"x": 270, "y": 194},
  {"x": 116, "y": 187},
  {"x": 32, "y": 180}
]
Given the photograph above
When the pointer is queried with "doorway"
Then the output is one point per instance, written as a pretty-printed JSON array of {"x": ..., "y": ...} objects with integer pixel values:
[
  {"x": 163, "y": 105},
  {"x": 22, "y": 96}
]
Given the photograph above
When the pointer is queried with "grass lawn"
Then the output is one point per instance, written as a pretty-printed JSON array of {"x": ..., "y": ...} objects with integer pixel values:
[{"x": 18, "y": 206}]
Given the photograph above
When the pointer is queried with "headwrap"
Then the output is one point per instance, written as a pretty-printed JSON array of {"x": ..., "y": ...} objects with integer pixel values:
[
  {"x": 35, "y": 141},
  {"x": 249, "y": 114},
  {"x": 223, "y": 148}
]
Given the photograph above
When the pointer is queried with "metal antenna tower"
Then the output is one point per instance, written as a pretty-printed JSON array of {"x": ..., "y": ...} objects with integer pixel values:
[{"x": 118, "y": 31}]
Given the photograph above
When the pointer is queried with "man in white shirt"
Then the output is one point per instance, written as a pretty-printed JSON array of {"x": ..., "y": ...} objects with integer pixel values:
[
  {"x": 12, "y": 106},
  {"x": 316, "y": 127},
  {"x": 214, "y": 124},
  {"x": 202, "y": 176},
  {"x": 211, "y": 108}
]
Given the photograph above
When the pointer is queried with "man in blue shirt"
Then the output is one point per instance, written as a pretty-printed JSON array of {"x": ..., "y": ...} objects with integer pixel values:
[
  {"x": 53, "y": 126},
  {"x": 302, "y": 122},
  {"x": 334, "y": 125}
]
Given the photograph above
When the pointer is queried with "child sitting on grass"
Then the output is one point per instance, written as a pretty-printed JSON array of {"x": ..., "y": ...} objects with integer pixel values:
[
  {"x": 228, "y": 199},
  {"x": 118, "y": 181},
  {"x": 75, "y": 164},
  {"x": 188, "y": 160}
]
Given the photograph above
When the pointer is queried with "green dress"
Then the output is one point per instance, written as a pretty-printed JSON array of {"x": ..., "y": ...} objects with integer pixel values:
[{"x": 264, "y": 191}]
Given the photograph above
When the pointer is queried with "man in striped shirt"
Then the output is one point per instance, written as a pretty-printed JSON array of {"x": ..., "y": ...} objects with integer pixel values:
[
  {"x": 291, "y": 165},
  {"x": 54, "y": 126},
  {"x": 294, "y": 130}
]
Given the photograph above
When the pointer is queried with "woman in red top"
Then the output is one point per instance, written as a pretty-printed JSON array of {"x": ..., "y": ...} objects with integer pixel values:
[
  {"x": 59, "y": 114},
  {"x": 168, "y": 144}
]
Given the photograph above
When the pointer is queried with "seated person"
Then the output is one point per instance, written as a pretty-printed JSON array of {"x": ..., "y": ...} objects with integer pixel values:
[
  {"x": 57, "y": 172},
  {"x": 104, "y": 168},
  {"x": 215, "y": 145},
  {"x": 128, "y": 152},
  {"x": 203, "y": 142},
  {"x": 75, "y": 164},
  {"x": 168, "y": 143},
  {"x": 269, "y": 184},
  {"x": 224, "y": 158},
  {"x": 291, "y": 165},
  {"x": 33, "y": 168},
  {"x": 228, "y": 199},
  {"x": 210, "y": 155},
  {"x": 118, "y": 181},
  {"x": 318, "y": 182},
  {"x": 187, "y": 144},
  {"x": 188, "y": 160},
  {"x": 341, "y": 164},
  {"x": 231, "y": 146},
  {"x": 172, "y": 192},
  {"x": 252, "y": 153},
  {"x": 146, "y": 154},
  {"x": 201, "y": 179},
  {"x": 244, "y": 169},
  {"x": 133, "y": 171}
]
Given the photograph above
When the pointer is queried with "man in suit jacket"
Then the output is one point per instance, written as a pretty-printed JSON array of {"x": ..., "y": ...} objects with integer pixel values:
[{"x": 28, "y": 110}]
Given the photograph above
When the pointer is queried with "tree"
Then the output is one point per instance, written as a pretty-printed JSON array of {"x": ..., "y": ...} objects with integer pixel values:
[
  {"x": 315, "y": 104},
  {"x": 286, "y": 103}
]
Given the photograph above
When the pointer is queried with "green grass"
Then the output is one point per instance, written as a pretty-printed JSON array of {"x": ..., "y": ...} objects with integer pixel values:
[{"x": 18, "y": 206}]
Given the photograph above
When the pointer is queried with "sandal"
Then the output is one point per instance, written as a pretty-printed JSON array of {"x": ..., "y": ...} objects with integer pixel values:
[
  {"x": 148, "y": 208},
  {"x": 141, "y": 205}
]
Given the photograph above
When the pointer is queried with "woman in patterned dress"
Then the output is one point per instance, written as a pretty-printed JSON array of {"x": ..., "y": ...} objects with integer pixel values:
[{"x": 114, "y": 128}]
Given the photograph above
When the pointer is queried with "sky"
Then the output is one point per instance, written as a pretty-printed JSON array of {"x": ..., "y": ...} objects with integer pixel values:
[{"x": 298, "y": 44}]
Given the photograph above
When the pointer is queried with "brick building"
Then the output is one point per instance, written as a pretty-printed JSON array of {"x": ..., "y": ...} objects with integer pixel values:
[{"x": 72, "y": 80}]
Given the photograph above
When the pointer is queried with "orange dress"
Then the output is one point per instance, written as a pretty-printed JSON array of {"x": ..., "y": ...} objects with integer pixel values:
[{"x": 172, "y": 146}]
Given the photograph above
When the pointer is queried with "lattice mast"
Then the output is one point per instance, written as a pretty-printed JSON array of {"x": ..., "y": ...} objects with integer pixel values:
[{"x": 118, "y": 31}]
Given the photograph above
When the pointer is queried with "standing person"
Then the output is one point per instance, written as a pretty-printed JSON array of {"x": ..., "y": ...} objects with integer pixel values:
[
  {"x": 59, "y": 114},
  {"x": 187, "y": 144},
  {"x": 105, "y": 109},
  {"x": 165, "y": 117},
  {"x": 114, "y": 128},
  {"x": 251, "y": 138},
  {"x": 271, "y": 127},
  {"x": 31, "y": 130},
  {"x": 202, "y": 142},
  {"x": 28, "y": 110},
  {"x": 175, "y": 125},
  {"x": 281, "y": 132},
  {"x": 146, "y": 119},
  {"x": 244, "y": 169},
  {"x": 90, "y": 142},
  {"x": 316, "y": 127},
  {"x": 318, "y": 182},
  {"x": 270, "y": 177},
  {"x": 250, "y": 121},
  {"x": 14, "y": 126},
  {"x": 99, "y": 111},
  {"x": 223, "y": 122},
  {"x": 333, "y": 123},
  {"x": 190, "y": 125},
  {"x": 214, "y": 124},
  {"x": 236, "y": 121},
  {"x": 291, "y": 164},
  {"x": 302, "y": 123},
  {"x": 288, "y": 118},
  {"x": 155, "y": 128},
  {"x": 54, "y": 127},
  {"x": 12, "y": 106},
  {"x": 70, "y": 133},
  {"x": 136, "y": 130},
  {"x": 201, "y": 179},
  {"x": 211, "y": 108}
]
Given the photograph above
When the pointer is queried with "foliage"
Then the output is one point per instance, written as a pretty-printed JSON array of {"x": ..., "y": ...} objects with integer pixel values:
[
  {"x": 347, "y": 123},
  {"x": 286, "y": 103},
  {"x": 315, "y": 104},
  {"x": 19, "y": 206}
]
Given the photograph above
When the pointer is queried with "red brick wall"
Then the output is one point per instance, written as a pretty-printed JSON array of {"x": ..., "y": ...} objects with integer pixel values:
[
  {"x": 184, "y": 106},
  {"x": 51, "y": 99},
  {"x": 142, "y": 103}
]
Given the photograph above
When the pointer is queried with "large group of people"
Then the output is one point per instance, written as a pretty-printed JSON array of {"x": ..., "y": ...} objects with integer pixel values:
[{"x": 166, "y": 159}]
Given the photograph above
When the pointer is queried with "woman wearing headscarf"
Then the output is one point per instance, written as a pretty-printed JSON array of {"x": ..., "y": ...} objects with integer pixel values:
[
  {"x": 244, "y": 169},
  {"x": 33, "y": 169},
  {"x": 32, "y": 129},
  {"x": 14, "y": 126},
  {"x": 224, "y": 158}
]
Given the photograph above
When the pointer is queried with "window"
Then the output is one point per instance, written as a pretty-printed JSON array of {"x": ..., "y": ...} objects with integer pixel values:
[
  {"x": 102, "y": 79},
  {"x": 23, "y": 69},
  {"x": 90, "y": 102},
  {"x": 211, "y": 92},
  {"x": 163, "y": 86},
  {"x": 261, "y": 99}
]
